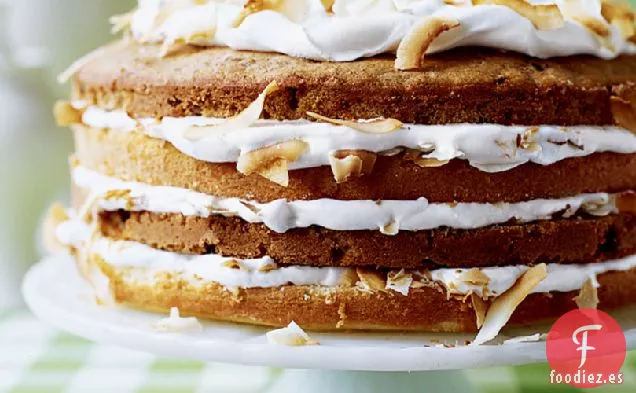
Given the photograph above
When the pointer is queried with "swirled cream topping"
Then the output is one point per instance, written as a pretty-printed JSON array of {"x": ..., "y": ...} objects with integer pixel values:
[{"x": 345, "y": 30}]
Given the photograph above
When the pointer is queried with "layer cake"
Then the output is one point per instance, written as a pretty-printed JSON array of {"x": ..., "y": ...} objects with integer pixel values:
[{"x": 358, "y": 164}]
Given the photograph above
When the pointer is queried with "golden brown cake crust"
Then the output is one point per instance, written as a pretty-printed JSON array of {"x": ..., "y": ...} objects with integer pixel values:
[
  {"x": 574, "y": 240},
  {"x": 322, "y": 308},
  {"x": 133, "y": 156},
  {"x": 462, "y": 86}
]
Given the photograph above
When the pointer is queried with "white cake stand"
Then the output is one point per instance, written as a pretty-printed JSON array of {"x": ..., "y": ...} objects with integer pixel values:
[{"x": 357, "y": 362}]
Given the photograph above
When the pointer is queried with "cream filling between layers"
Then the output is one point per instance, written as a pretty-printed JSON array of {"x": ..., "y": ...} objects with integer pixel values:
[
  {"x": 361, "y": 28},
  {"x": 144, "y": 263},
  {"x": 389, "y": 216},
  {"x": 488, "y": 147}
]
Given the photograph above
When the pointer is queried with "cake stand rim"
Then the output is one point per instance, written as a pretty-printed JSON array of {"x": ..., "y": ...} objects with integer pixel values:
[{"x": 67, "y": 308}]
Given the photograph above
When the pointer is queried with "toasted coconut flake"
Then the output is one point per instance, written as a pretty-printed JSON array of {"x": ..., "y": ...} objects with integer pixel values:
[
  {"x": 251, "y": 207},
  {"x": 177, "y": 324},
  {"x": 463, "y": 298},
  {"x": 117, "y": 194},
  {"x": 415, "y": 156},
  {"x": 595, "y": 25},
  {"x": 182, "y": 35},
  {"x": 268, "y": 267},
  {"x": 480, "y": 306},
  {"x": 220, "y": 211},
  {"x": 373, "y": 126},
  {"x": 430, "y": 162},
  {"x": 328, "y": 4},
  {"x": 399, "y": 281},
  {"x": 503, "y": 306},
  {"x": 626, "y": 202},
  {"x": 349, "y": 278},
  {"x": 276, "y": 172},
  {"x": 420, "y": 284},
  {"x": 271, "y": 162},
  {"x": 345, "y": 168},
  {"x": 598, "y": 208},
  {"x": 527, "y": 339},
  {"x": 292, "y": 335},
  {"x": 239, "y": 122},
  {"x": 414, "y": 45},
  {"x": 233, "y": 264},
  {"x": 474, "y": 277},
  {"x": 619, "y": 15},
  {"x": 120, "y": 195},
  {"x": 174, "y": 44},
  {"x": 624, "y": 113},
  {"x": 347, "y": 164},
  {"x": 250, "y": 7},
  {"x": 66, "y": 114},
  {"x": 425, "y": 148},
  {"x": 391, "y": 229},
  {"x": 254, "y": 6},
  {"x": 588, "y": 295},
  {"x": 528, "y": 140},
  {"x": 55, "y": 216},
  {"x": 392, "y": 152},
  {"x": 573, "y": 10},
  {"x": 542, "y": 16},
  {"x": 371, "y": 279}
]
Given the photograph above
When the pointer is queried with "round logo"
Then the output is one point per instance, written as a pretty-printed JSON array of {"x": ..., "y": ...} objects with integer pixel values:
[{"x": 586, "y": 348}]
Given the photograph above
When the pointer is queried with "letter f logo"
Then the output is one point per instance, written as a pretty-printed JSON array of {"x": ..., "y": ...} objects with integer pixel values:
[{"x": 583, "y": 344}]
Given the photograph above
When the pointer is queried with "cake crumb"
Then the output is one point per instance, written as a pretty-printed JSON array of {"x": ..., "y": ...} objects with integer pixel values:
[
  {"x": 526, "y": 339},
  {"x": 292, "y": 335}
]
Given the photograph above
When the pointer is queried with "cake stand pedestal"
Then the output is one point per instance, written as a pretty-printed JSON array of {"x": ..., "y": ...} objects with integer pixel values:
[{"x": 357, "y": 362}]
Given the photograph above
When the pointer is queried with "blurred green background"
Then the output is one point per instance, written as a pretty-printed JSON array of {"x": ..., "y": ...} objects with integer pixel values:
[{"x": 39, "y": 39}]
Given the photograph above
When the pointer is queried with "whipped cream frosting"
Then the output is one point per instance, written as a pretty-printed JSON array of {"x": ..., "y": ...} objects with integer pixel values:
[
  {"x": 561, "y": 277},
  {"x": 281, "y": 215},
  {"x": 361, "y": 28},
  {"x": 229, "y": 272},
  {"x": 144, "y": 263},
  {"x": 488, "y": 147}
]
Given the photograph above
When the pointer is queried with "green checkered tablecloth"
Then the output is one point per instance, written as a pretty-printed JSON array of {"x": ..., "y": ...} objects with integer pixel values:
[{"x": 37, "y": 358}]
